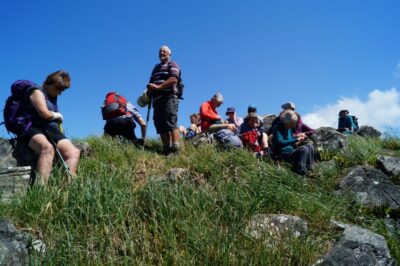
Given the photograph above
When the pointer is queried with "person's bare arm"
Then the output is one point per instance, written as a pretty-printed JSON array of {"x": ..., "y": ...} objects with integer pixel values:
[
  {"x": 39, "y": 103},
  {"x": 143, "y": 125}
]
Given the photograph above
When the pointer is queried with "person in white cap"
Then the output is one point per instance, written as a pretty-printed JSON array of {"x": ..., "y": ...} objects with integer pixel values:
[{"x": 211, "y": 121}]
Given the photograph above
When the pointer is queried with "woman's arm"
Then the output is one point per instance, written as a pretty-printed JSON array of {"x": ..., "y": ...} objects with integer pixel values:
[{"x": 39, "y": 103}]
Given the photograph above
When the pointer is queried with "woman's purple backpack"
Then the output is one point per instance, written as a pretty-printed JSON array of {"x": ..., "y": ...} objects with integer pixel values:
[{"x": 15, "y": 118}]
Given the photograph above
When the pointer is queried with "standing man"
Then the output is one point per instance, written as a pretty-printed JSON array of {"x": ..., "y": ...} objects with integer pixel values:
[{"x": 164, "y": 87}]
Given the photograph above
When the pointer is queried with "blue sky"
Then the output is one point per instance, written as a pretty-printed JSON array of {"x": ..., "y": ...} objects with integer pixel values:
[{"x": 317, "y": 54}]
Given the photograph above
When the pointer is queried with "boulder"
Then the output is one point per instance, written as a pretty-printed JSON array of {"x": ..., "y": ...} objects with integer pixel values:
[
  {"x": 13, "y": 245},
  {"x": 261, "y": 225},
  {"x": 330, "y": 139},
  {"x": 14, "y": 181},
  {"x": 85, "y": 148},
  {"x": 368, "y": 132},
  {"x": 371, "y": 187},
  {"x": 389, "y": 165},
  {"x": 13, "y": 153},
  {"x": 358, "y": 246},
  {"x": 175, "y": 174},
  {"x": 267, "y": 120}
]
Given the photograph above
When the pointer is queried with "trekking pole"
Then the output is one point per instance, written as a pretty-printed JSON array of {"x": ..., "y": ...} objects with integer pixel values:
[
  {"x": 67, "y": 170},
  {"x": 148, "y": 117}
]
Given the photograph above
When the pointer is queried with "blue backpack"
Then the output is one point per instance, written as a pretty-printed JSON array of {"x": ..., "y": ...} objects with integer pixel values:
[
  {"x": 15, "y": 118},
  {"x": 228, "y": 139}
]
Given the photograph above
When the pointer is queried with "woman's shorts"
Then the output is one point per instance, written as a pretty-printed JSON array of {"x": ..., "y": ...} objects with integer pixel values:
[{"x": 52, "y": 134}]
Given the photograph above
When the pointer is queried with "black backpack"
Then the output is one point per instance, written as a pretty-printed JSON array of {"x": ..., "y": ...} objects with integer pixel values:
[{"x": 179, "y": 85}]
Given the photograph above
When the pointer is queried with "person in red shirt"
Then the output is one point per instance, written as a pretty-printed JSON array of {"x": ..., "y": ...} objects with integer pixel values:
[{"x": 211, "y": 121}]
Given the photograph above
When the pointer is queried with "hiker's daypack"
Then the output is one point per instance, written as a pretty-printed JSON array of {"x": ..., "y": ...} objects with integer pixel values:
[
  {"x": 114, "y": 105},
  {"x": 15, "y": 118},
  {"x": 250, "y": 140},
  {"x": 228, "y": 139},
  {"x": 355, "y": 122},
  {"x": 179, "y": 86}
]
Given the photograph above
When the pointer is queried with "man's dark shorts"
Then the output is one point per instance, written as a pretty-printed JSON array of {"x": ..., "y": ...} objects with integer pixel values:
[
  {"x": 121, "y": 126},
  {"x": 166, "y": 114},
  {"x": 51, "y": 132}
]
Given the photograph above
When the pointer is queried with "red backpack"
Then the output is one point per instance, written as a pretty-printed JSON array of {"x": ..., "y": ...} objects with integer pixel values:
[
  {"x": 114, "y": 105},
  {"x": 250, "y": 140}
]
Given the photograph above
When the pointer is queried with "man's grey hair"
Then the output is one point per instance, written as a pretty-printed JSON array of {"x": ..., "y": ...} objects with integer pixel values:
[{"x": 164, "y": 47}]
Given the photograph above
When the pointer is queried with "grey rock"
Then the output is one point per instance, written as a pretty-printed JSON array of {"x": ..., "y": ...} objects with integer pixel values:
[
  {"x": 330, "y": 139},
  {"x": 14, "y": 245},
  {"x": 371, "y": 187},
  {"x": 358, "y": 246},
  {"x": 267, "y": 120},
  {"x": 202, "y": 138},
  {"x": 175, "y": 174},
  {"x": 368, "y": 132},
  {"x": 13, "y": 153},
  {"x": 389, "y": 165},
  {"x": 85, "y": 148},
  {"x": 261, "y": 225},
  {"x": 14, "y": 181}
]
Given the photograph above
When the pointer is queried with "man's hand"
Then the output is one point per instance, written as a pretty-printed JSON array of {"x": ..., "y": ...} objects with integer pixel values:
[
  {"x": 232, "y": 127},
  {"x": 152, "y": 87}
]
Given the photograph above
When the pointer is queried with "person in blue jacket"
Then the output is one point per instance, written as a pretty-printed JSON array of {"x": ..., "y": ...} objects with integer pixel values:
[{"x": 290, "y": 148}]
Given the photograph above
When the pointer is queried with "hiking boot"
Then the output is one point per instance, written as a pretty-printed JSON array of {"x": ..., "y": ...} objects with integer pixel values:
[
  {"x": 174, "y": 149},
  {"x": 166, "y": 150}
]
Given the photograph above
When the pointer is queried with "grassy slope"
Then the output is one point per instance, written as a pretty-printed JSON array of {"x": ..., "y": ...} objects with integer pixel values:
[{"x": 117, "y": 211}]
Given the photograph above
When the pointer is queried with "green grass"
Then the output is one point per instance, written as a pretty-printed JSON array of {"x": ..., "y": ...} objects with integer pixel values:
[{"x": 119, "y": 211}]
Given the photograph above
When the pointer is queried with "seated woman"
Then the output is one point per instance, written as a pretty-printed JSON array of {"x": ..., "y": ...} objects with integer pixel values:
[
  {"x": 291, "y": 148},
  {"x": 251, "y": 136},
  {"x": 46, "y": 126}
]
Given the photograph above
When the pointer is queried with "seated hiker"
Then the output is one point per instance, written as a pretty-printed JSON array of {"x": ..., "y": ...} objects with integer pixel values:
[
  {"x": 210, "y": 120},
  {"x": 253, "y": 109},
  {"x": 233, "y": 118},
  {"x": 347, "y": 124},
  {"x": 252, "y": 138},
  {"x": 194, "y": 127},
  {"x": 46, "y": 129},
  {"x": 124, "y": 125},
  {"x": 300, "y": 129},
  {"x": 290, "y": 148}
]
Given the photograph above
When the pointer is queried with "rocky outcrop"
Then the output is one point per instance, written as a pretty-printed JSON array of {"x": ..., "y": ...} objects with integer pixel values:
[
  {"x": 261, "y": 225},
  {"x": 13, "y": 245},
  {"x": 330, "y": 139},
  {"x": 368, "y": 132},
  {"x": 13, "y": 154},
  {"x": 14, "y": 181},
  {"x": 389, "y": 165},
  {"x": 371, "y": 187},
  {"x": 358, "y": 246}
]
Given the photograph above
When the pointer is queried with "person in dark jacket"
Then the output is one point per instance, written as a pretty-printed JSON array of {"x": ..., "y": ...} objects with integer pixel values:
[
  {"x": 46, "y": 127},
  {"x": 291, "y": 148}
]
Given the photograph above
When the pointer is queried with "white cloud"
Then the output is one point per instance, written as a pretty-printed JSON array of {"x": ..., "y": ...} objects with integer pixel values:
[{"x": 381, "y": 110}]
